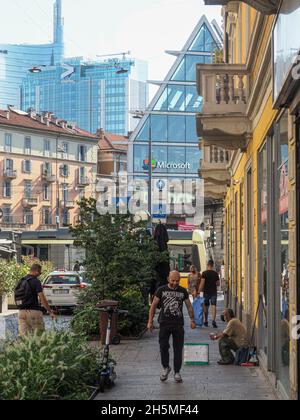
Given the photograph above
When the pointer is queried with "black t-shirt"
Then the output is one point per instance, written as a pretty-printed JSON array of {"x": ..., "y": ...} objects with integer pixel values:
[
  {"x": 36, "y": 287},
  {"x": 211, "y": 279},
  {"x": 172, "y": 305}
]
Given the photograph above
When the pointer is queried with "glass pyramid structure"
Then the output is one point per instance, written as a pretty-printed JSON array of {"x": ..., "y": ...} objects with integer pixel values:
[{"x": 170, "y": 120}]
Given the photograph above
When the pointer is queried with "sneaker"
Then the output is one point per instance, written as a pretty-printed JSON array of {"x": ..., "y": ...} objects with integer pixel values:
[
  {"x": 205, "y": 324},
  {"x": 178, "y": 378},
  {"x": 165, "y": 374},
  {"x": 214, "y": 324}
]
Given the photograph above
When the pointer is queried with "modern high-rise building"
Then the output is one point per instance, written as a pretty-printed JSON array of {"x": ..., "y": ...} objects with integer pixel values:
[
  {"x": 92, "y": 94},
  {"x": 169, "y": 123},
  {"x": 16, "y": 60}
]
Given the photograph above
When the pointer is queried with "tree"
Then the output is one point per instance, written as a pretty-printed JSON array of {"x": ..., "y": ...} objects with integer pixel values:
[{"x": 121, "y": 258}]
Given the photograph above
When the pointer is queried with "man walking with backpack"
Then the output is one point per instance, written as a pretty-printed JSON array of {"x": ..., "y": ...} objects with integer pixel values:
[{"x": 29, "y": 297}]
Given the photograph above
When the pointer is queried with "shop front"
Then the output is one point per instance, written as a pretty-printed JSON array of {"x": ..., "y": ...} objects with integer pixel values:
[{"x": 279, "y": 236}]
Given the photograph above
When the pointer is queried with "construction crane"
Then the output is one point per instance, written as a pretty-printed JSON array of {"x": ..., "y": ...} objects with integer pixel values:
[{"x": 115, "y": 55}]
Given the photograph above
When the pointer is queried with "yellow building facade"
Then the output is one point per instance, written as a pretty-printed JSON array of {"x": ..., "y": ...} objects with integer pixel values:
[{"x": 251, "y": 105}]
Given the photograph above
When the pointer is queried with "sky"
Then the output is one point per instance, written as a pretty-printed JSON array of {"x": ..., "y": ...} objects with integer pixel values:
[{"x": 94, "y": 27}]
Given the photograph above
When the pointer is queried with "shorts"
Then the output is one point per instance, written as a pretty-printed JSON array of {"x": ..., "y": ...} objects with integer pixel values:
[
  {"x": 210, "y": 300},
  {"x": 30, "y": 321}
]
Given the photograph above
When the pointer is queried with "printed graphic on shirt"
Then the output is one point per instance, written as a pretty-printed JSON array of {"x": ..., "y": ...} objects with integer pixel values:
[{"x": 172, "y": 304}]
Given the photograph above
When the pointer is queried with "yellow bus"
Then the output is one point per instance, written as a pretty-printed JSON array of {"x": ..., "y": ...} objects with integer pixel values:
[{"x": 187, "y": 249}]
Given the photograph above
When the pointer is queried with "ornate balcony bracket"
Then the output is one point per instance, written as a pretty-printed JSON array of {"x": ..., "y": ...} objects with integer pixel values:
[
  {"x": 217, "y": 192},
  {"x": 266, "y": 7},
  {"x": 227, "y": 132}
]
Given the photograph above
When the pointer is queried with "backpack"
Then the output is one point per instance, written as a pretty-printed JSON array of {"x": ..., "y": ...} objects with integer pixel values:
[{"x": 23, "y": 293}]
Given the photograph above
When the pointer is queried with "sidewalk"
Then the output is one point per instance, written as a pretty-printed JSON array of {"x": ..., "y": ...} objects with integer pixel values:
[{"x": 139, "y": 368}]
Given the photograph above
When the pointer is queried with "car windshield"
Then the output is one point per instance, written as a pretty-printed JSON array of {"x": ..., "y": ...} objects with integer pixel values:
[{"x": 63, "y": 279}]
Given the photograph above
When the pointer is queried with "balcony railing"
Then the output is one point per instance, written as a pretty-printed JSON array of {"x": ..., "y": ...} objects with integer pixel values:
[
  {"x": 49, "y": 178},
  {"x": 83, "y": 181},
  {"x": 68, "y": 204},
  {"x": 12, "y": 222},
  {"x": 224, "y": 88},
  {"x": 10, "y": 174},
  {"x": 214, "y": 166},
  {"x": 30, "y": 202}
]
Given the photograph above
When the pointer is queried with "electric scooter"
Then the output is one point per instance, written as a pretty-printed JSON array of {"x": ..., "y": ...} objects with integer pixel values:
[{"x": 107, "y": 375}]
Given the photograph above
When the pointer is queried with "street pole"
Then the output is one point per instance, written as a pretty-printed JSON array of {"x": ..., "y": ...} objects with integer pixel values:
[
  {"x": 150, "y": 175},
  {"x": 57, "y": 188}
]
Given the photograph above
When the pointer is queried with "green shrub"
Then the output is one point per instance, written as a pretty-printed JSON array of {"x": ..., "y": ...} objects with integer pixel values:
[
  {"x": 51, "y": 366},
  {"x": 85, "y": 321},
  {"x": 132, "y": 301}
]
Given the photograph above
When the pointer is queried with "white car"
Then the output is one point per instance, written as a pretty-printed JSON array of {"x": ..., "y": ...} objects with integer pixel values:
[{"x": 62, "y": 288}]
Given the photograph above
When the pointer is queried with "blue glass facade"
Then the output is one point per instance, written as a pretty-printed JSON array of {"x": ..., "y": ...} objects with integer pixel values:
[
  {"x": 16, "y": 60},
  {"x": 94, "y": 95},
  {"x": 170, "y": 120}
]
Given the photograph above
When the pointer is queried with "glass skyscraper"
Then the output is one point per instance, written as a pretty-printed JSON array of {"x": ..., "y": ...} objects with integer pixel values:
[
  {"x": 16, "y": 60},
  {"x": 170, "y": 120},
  {"x": 93, "y": 95}
]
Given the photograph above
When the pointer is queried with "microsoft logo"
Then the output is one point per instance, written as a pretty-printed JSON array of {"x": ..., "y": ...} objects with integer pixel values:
[{"x": 146, "y": 164}]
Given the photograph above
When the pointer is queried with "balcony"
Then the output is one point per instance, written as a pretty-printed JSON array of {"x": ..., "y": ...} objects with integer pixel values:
[
  {"x": 10, "y": 174},
  {"x": 31, "y": 202},
  {"x": 44, "y": 227},
  {"x": 214, "y": 166},
  {"x": 83, "y": 181},
  {"x": 225, "y": 90},
  {"x": 12, "y": 223},
  {"x": 48, "y": 178},
  {"x": 266, "y": 7},
  {"x": 68, "y": 204}
]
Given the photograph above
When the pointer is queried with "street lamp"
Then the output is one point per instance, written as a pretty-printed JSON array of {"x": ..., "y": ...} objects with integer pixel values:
[{"x": 139, "y": 115}]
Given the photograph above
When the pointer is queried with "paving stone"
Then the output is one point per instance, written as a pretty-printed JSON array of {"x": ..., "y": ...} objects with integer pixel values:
[{"x": 139, "y": 368}]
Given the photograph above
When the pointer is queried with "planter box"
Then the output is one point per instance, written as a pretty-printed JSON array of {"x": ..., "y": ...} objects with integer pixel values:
[{"x": 9, "y": 325}]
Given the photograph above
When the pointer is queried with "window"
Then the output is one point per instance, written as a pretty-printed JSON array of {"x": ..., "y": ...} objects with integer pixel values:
[
  {"x": 27, "y": 166},
  {"x": 46, "y": 192},
  {"x": 47, "y": 168},
  {"x": 191, "y": 130},
  {"x": 46, "y": 216},
  {"x": 7, "y": 215},
  {"x": 28, "y": 217},
  {"x": 159, "y": 127},
  {"x": 64, "y": 171},
  {"x": 176, "y": 128},
  {"x": 81, "y": 193},
  {"x": 82, "y": 153},
  {"x": 27, "y": 146},
  {"x": 8, "y": 143},
  {"x": 27, "y": 189},
  {"x": 204, "y": 41},
  {"x": 9, "y": 165},
  {"x": 141, "y": 153},
  {"x": 47, "y": 148},
  {"x": 65, "y": 217},
  {"x": 65, "y": 192},
  {"x": 7, "y": 190},
  {"x": 65, "y": 152}
]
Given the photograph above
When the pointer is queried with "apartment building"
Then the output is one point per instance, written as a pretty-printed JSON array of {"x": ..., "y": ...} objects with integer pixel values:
[
  {"x": 46, "y": 166},
  {"x": 251, "y": 107}
]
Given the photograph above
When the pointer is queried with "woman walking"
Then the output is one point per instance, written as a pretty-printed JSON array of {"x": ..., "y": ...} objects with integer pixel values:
[{"x": 194, "y": 282}]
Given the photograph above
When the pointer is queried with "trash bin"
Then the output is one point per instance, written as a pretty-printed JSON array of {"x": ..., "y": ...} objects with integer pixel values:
[{"x": 114, "y": 337}]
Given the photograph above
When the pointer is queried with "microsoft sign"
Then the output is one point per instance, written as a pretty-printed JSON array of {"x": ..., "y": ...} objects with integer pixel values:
[{"x": 166, "y": 165}]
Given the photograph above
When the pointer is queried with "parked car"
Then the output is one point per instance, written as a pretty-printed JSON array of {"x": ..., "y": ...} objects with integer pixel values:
[{"x": 62, "y": 288}]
